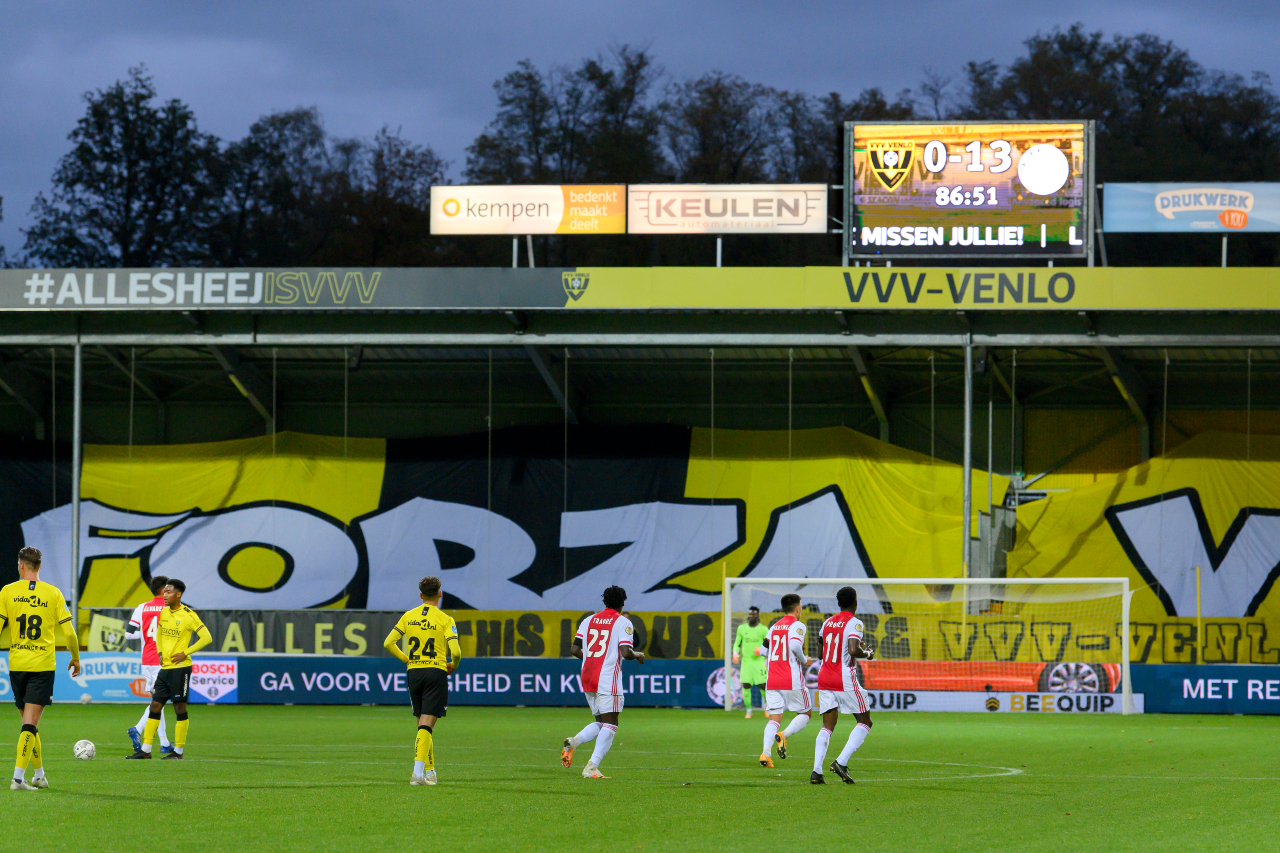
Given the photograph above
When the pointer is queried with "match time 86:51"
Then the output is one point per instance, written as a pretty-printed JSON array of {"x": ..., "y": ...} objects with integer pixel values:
[{"x": 964, "y": 196}]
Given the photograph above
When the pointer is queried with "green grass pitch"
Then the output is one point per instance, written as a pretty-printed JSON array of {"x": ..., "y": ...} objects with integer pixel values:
[{"x": 336, "y": 778}]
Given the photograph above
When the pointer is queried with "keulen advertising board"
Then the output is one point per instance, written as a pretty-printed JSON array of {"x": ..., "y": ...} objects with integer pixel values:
[
  {"x": 1186, "y": 208},
  {"x": 727, "y": 209},
  {"x": 550, "y": 209}
]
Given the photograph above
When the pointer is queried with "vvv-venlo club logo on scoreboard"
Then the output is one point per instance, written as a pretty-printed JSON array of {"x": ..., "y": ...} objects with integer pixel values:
[{"x": 891, "y": 160}]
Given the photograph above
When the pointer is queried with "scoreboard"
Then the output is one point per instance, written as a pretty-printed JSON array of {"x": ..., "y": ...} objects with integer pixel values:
[{"x": 981, "y": 189}]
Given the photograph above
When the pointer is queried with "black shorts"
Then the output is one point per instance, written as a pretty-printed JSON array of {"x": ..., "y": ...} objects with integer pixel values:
[
  {"x": 172, "y": 685},
  {"x": 429, "y": 691},
  {"x": 33, "y": 687}
]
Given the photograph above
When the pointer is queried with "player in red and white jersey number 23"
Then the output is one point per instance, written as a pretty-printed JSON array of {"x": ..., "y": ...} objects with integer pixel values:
[
  {"x": 604, "y": 640},
  {"x": 785, "y": 689},
  {"x": 838, "y": 689}
]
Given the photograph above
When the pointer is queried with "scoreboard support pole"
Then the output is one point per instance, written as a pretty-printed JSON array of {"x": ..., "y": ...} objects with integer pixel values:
[
  {"x": 968, "y": 456},
  {"x": 1224, "y": 251}
]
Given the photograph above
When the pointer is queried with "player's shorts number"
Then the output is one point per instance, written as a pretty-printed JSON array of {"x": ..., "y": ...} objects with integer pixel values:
[
  {"x": 29, "y": 627},
  {"x": 597, "y": 642},
  {"x": 428, "y": 649}
]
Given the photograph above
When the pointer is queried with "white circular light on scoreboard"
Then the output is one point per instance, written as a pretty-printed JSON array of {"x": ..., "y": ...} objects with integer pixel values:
[{"x": 1043, "y": 169}]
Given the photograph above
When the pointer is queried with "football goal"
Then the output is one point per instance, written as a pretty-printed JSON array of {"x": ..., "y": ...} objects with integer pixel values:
[{"x": 981, "y": 644}]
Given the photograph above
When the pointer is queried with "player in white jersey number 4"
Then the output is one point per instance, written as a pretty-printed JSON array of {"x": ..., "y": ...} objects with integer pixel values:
[
  {"x": 838, "y": 689},
  {"x": 785, "y": 688},
  {"x": 604, "y": 640},
  {"x": 142, "y": 625}
]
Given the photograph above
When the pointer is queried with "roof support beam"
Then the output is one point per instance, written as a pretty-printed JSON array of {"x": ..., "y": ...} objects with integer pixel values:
[
  {"x": 872, "y": 388},
  {"x": 1133, "y": 390},
  {"x": 117, "y": 358},
  {"x": 248, "y": 381},
  {"x": 539, "y": 360},
  {"x": 26, "y": 392}
]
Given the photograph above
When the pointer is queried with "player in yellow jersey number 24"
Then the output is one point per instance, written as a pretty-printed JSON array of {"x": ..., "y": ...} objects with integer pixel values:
[{"x": 433, "y": 653}]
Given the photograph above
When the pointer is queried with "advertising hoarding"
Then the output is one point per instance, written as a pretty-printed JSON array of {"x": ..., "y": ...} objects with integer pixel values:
[
  {"x": 948, "y": 189},
  {"x": 1189, "y": 208},
  {"x": 530, "y": 209},
  {"x": 727, "y": 209}
]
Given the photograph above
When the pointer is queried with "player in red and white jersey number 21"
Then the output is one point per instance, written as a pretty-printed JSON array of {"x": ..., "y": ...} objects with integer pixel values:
[
  {"x": 838, "y": 689},
  {"x": 604, "y": 640},
  {"x": 142, "y": 624},
  {"x": 785, "y": 688}
]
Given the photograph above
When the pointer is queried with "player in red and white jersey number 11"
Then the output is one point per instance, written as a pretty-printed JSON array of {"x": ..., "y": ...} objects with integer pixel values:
[
  {"x": 838, "y": 689},
  {"x": 604, "y": 640},
  {"x": 785, "y": 688},
  {"x": 142, "y": 625}
]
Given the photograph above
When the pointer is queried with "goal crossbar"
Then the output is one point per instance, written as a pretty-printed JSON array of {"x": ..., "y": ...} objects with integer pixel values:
[{"x": 1120, "y": 584}]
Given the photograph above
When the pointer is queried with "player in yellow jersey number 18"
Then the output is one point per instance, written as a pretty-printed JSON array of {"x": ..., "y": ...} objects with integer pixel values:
[
  {"x": 34, "y": 612},
  {"x": 432, "y": 653}
]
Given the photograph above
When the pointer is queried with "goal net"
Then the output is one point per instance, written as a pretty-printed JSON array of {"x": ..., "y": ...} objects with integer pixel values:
[{"x": 951, "y": 644}]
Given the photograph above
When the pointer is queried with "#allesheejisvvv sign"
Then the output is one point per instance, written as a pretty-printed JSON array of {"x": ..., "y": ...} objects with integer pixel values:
[
  {"x": 1188, "y": 208},
  {"x": 952, "y": 189},
  {"x": 529, "y": 209}
]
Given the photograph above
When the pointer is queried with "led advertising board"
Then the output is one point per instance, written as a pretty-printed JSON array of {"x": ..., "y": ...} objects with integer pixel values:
[
  {"x": 727, "y": 209},
  {"x": 529, "y": 209},
  {"x": 947, "y": 189},
  {"x": 1191, "y": 208}
]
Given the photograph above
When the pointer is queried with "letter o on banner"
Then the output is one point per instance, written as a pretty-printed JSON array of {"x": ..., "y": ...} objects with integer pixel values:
[{"x": 316, "y": 558}]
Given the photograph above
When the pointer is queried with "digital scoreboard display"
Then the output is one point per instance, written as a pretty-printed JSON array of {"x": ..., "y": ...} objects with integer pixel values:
[{"x": 948, "y": 189}]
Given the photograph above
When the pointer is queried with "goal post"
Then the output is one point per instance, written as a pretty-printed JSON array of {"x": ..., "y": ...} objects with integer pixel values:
[{"x": 964, "y": 643}]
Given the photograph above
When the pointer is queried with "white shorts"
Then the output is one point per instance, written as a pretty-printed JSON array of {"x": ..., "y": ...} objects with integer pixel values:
[
  {"x": 777, "y": 701},
  {"x": 149, "y": 672},
  {"x": 845, "y": 701},
  {"x": 604, "y": 703}
]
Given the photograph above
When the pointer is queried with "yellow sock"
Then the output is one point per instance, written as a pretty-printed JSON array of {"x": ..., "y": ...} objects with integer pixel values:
[
  {"x": 37, "y": 762},
  {"x": 180, "y": 734},
  {"x": 26, "y": 743},
  {"x": 423, "y": 749},
  {"x": 149, "y": 733}
]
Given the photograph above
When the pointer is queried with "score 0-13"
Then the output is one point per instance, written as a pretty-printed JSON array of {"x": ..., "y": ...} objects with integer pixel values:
[{"x": 1042, "y": 169}]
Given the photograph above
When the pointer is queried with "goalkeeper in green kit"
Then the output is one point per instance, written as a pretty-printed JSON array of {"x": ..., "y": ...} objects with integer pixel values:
[{"x": 750, "y": 651}]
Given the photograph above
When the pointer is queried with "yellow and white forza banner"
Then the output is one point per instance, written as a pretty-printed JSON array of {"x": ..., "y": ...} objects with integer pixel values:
[
  {"x": 1198, "y": 533},
  {"x": 298, "y": 521},
  {"x": 531, "y": 209}
]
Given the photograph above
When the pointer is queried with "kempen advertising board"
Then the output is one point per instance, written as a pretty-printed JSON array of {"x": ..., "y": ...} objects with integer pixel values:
[
  {"x": 948, "y": 189},
  {"x": 550, "y": 209}
]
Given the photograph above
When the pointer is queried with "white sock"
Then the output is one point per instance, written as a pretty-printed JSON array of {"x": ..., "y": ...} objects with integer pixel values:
[
  {"x": 178, "y": 750},
  {"x": 770, "y": 729},
  {"x": 142, "y": 724},
  {"x": 418, "y": 768},
  {"x": 146, "y": 747},
  {"x": 19, "y": 773},
  {"x": 38, "y": 773},
  {"x": 820, "y": 749},
  {"x": 856, "y": 737},
  {"x": 164, "y": 738},
  {"x": 603, "y": 741},
  {"x": 585, "y": 736},
  {"x": 797, "y": 724}
]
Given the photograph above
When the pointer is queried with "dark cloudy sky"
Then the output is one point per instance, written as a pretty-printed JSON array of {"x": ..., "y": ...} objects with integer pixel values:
[{"x": 428, "y": 67}]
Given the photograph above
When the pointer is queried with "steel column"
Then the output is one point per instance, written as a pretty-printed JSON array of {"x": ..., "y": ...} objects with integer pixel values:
[{"x": 77, "y": 415}]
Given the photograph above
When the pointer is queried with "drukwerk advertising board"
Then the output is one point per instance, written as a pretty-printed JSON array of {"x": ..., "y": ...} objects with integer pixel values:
[{"x": 1225, "y": 208}]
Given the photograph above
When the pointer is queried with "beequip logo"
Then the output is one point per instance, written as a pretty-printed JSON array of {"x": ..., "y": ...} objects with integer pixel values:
[{"x": 890, "y": 160}]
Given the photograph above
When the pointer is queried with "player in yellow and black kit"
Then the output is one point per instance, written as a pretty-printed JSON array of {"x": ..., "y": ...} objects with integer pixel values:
[
  {"x": 34, "y": 612},
  {"x": 431, "y": 639},
  {"x": 174, "y": 627}
]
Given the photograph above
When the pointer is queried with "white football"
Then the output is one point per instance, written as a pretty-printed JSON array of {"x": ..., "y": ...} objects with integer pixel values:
[
  {"x": 86, "y": 698},
  {"x": 84, "y": 750}
]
